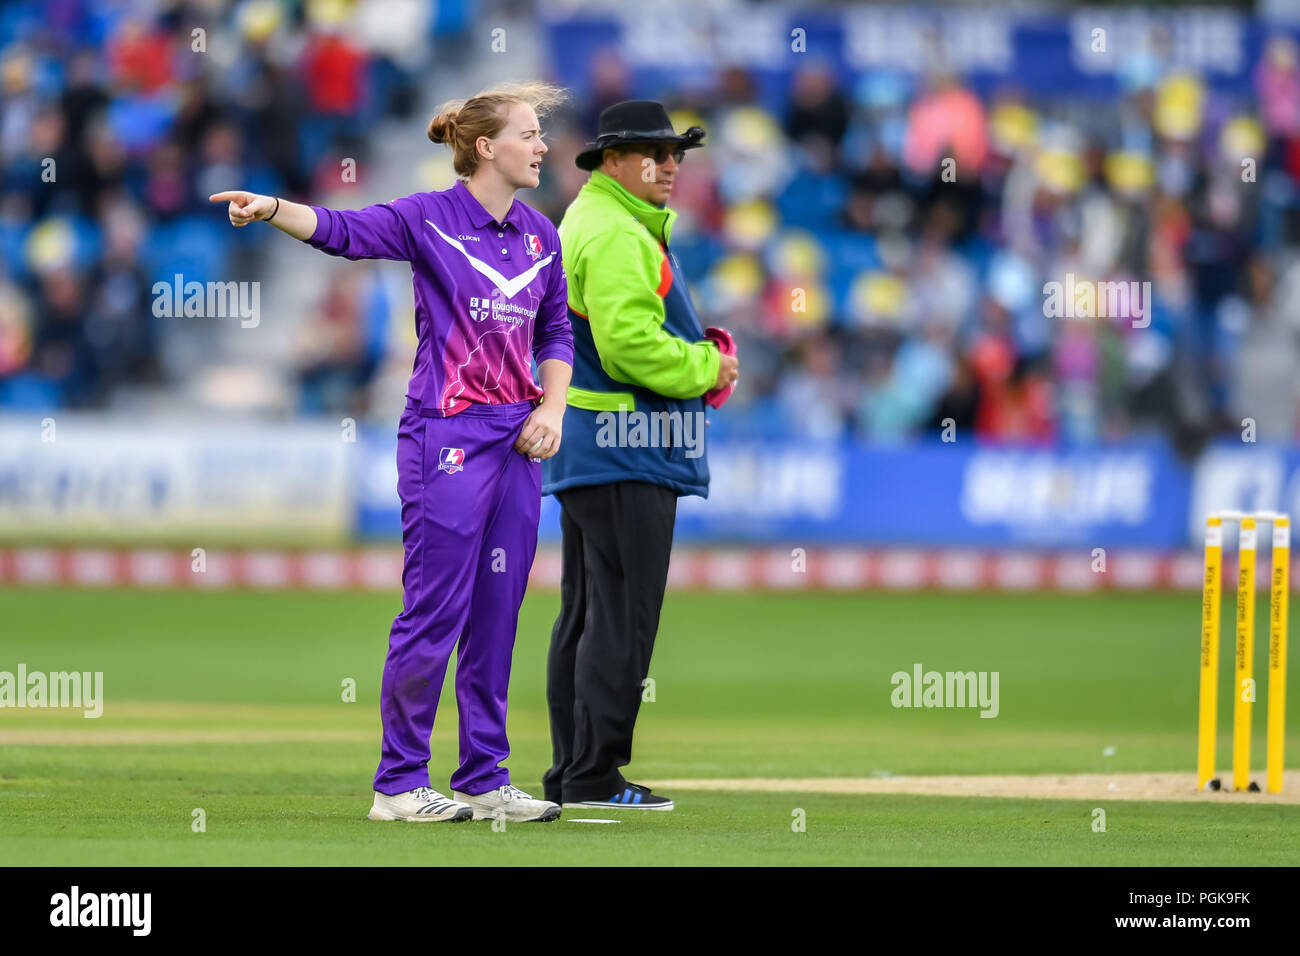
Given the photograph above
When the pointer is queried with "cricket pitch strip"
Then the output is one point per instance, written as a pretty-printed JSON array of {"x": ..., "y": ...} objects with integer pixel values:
[{"x": 1080, "y": 786}]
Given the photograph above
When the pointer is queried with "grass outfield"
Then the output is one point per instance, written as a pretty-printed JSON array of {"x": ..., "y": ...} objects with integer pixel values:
[{"x": 231, "y": 702}]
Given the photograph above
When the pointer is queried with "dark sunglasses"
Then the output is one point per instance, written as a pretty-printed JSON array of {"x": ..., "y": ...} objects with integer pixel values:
[{"x": 657, "y": 151}]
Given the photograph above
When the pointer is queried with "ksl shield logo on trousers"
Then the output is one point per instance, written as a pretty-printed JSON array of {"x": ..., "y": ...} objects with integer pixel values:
[{"x": 451, "y": 460}]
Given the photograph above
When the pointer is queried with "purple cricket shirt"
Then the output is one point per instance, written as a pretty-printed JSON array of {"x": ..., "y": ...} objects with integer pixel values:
[{"x": 486, "y": 293}]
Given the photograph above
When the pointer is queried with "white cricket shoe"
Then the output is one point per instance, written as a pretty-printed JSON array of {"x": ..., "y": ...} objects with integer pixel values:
[
  {"x": 421, "y": 805},
  {"x": 510, "y": 804}
]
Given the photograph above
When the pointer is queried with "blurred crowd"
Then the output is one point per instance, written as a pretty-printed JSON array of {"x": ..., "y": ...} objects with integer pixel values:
[
  {"x": 118, "y": 120},
  {"x": 879, "y": 246},
  {"x": 882, "y": 251}
]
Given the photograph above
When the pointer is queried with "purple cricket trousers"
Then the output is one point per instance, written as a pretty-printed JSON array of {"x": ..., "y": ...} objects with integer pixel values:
[{"x": 470, "y": 504}]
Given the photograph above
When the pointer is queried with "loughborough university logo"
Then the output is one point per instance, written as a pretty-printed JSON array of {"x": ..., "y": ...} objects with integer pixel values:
[{"x": 451, "y": 460}]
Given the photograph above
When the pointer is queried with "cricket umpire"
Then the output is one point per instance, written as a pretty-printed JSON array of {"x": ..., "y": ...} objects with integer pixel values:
[{"x": 639, "y": 350}]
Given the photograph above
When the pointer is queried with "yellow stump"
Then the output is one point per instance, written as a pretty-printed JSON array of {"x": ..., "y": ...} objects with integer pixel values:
[
  {"x": 1277, "y": 633},
  {"x": 1210, "y": 602},
  {"x": 1243, "y": 686}
]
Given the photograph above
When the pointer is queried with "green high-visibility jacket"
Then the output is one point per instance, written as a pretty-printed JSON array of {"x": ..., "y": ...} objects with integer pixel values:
[{"x": 641, "y": 363}]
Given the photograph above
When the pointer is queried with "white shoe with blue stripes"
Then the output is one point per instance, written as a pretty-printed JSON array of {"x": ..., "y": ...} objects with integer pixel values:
[{"x": 632, "y": 797}]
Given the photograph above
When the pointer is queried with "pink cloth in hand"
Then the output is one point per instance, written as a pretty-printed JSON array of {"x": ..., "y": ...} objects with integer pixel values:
[{"x": 717, "y": 397}]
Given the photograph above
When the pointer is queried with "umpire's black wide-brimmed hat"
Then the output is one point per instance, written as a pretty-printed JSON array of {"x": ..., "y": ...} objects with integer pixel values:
[{"x": 635, "y": 121}]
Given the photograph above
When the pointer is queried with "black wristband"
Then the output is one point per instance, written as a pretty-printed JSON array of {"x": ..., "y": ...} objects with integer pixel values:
[{"x": 277, "y": 209}]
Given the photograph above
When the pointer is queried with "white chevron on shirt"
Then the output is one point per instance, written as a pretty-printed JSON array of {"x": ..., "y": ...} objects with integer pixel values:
[{"x": 509, "y": 287}]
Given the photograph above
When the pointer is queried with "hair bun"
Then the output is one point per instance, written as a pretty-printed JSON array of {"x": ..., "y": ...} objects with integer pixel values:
[{"x": 442, "y": 128}]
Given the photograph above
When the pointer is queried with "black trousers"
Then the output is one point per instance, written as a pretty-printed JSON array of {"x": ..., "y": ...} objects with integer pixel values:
[{"x": 617, "y": 539}]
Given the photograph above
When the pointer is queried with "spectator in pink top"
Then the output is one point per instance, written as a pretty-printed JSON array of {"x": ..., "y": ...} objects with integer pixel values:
[
  {"x": 1277, "y": 80},
  {"x": 947, "y": 121}
]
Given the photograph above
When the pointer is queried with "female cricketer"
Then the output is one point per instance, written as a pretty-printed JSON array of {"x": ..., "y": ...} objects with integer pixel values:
[{"x": 490, "y": 295}]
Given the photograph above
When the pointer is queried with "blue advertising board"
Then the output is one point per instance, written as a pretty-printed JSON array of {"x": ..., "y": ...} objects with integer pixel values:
[
  {"x": 1090, "y": 51},
  {"x": 963, "y": 494}
]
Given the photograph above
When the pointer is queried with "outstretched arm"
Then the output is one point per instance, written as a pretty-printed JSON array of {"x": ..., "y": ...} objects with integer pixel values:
[
  {"x": 375, "y": 232},
  {"x": 294, "y": 218}
]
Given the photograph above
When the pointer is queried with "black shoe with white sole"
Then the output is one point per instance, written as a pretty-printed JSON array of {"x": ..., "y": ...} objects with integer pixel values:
[{"x": 632, "y": 797}]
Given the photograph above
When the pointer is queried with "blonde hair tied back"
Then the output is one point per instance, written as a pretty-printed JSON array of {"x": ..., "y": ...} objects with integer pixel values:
[{"x": 460, "y": 123}]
